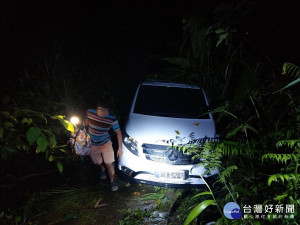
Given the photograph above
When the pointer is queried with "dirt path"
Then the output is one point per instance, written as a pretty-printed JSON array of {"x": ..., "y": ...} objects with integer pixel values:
[{"x": 85, "y": 199}]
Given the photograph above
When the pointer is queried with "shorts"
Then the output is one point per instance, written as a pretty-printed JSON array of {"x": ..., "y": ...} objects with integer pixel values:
[{"x": 102, "y": 153}]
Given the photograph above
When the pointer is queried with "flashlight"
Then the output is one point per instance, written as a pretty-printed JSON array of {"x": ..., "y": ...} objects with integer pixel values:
[{"x": 75, "y": 120}]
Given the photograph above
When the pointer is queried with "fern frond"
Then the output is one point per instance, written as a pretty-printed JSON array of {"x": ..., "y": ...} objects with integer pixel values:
[
  {"x": 227, "y": 173},
  {"x": 280, "y": 158},
  {"x": 292, "y": 69},
  {"x": 290, "y": 143},
  {"x": 283, "y": 177},
  {"x": 231, "y": 148}
]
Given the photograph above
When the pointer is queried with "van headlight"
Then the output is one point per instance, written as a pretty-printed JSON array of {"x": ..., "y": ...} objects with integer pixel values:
[{"x": 130, "y": 144}]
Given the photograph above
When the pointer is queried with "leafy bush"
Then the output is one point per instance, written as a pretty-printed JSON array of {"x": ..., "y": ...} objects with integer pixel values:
[
  {"x": 258, "y": 157},
  {"x": 27, "y": 126},
  {"x": 256, "y": 110}
]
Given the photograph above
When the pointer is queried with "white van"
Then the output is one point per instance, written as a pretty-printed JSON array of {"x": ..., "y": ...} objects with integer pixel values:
[{"x": 164, "y": 115}]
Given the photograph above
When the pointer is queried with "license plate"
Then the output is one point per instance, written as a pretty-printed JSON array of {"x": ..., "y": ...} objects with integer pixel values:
[{"x": 169, "y": 175}]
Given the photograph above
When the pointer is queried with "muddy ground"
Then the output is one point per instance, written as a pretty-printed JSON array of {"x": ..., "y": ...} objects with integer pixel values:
[{"x": 78, "y": 196}]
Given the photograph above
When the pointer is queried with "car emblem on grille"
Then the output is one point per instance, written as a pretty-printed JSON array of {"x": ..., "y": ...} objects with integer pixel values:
[{"x": 173, "y": 155}]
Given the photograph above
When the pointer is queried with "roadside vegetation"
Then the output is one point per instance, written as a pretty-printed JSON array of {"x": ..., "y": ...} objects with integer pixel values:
[
  {"x": 257, "y": 113},
  {"x": 254, "y": 99}
]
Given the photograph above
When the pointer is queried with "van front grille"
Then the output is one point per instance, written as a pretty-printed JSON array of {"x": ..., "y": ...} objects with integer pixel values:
[{"x": 167, "y": 154}]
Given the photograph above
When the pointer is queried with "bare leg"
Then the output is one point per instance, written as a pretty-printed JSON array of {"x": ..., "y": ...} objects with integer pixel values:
[
  {"x": 111, "y": 171},
  {"x": 102, "y": 172},
  {"x": 102, "y": 167}
]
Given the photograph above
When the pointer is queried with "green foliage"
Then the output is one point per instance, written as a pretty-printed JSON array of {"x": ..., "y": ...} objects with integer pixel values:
[
  {"x": 289, "y": 143},
  {"x": 163, "y": 197},
  {"x": 289, "y": 175},
  {"x": 221, "y": 109},
  {"x": 258, "y": 154},
  {"x": 198, "y": 210},
  {"x": 160, "y": 199},
  {"x": 293, "y": 71},
  {"x": 10, "y": 217},
  {"x": 32, "y": 134},
  {"x": 283, "y": 177},
  {"x": 231, "y": 148},
  {"x": 67, "y": 124},
  {"x": 290, "y": 84},
  {"x": 135, "y": 217},
  {"x": 42, "y": 143},
  {"x": 202, "y": 193},
  {"x": 280, "y": 158},
  {"x": 227, "y": 173},
  {"x": 211, "y": 155},
  {"x": 59, "y": 166},
  {"x": 27, "y": 129},
  {"x": 248, "y": 148}
]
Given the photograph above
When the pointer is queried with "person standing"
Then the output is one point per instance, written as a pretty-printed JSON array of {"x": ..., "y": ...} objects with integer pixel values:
[{"x": 100, "y": 121}]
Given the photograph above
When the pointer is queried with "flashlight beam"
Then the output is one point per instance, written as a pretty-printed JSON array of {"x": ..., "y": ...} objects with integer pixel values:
[{"x": 74, "y": 120}]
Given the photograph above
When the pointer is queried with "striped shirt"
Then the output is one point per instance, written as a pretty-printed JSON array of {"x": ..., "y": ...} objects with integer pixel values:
[{"x": 99, "y": 127}]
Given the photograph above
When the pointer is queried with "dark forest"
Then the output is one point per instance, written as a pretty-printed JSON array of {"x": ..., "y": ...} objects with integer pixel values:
[{"x": 59, "y": 58}]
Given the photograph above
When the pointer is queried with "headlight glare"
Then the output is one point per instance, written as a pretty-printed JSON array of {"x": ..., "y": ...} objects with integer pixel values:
[{"x": 130, "y": 144}]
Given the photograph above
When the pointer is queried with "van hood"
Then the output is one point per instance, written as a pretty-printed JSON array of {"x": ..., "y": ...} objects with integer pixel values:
[{"x": 167, "y": 130}]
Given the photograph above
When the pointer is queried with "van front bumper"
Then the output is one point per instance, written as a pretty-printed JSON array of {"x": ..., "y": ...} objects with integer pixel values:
[{"x": 139, "y": 169}]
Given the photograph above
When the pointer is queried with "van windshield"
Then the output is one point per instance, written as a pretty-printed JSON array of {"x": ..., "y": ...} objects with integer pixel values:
[{"x": 171, "y": 102}]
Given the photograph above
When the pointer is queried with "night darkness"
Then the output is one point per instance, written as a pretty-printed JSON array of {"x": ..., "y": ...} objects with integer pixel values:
[
  {"x": 73, "y": 52},
  {"x": 117, "y": 39},
  {"x": 111, "y": 38}
]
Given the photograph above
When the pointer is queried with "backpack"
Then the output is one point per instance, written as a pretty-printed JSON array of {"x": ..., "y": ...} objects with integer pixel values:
[{"x": 81, "y": 142}]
